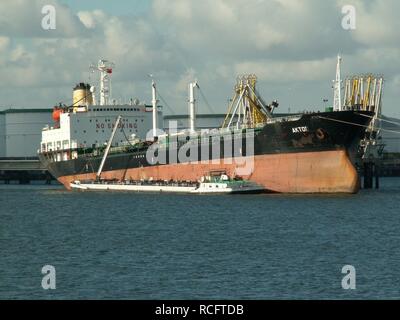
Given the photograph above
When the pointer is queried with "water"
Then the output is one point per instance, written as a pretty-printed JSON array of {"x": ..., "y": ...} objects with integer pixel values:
[{"x": 143, "y": 246}]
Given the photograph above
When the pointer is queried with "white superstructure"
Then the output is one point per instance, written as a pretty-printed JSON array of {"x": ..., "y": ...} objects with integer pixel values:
[{"x": 88, "y": 125}]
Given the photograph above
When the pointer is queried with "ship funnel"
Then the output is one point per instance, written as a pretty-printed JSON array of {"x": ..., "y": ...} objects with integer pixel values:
[
  {"x": 82, "y": 95},
  {"x": 192, "y": 110}
]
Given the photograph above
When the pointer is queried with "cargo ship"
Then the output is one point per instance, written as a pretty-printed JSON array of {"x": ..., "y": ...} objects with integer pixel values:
[{"x": 310, "y": 152}]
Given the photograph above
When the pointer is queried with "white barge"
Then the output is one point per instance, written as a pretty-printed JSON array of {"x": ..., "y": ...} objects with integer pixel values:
[{"x": 220, "y": 185}]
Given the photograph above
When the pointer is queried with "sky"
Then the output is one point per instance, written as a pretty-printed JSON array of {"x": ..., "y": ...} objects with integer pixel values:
[{"x": 290, "y": 45}]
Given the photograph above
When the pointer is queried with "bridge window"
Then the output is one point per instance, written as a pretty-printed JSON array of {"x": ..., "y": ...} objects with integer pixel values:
[{"x": 65, "y": 144}]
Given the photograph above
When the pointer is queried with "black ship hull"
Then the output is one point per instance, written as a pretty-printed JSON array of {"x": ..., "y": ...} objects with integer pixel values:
[{"x": 313, "y": 153}]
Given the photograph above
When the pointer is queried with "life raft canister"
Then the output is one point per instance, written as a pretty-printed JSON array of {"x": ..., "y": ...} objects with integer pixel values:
[{"x": 57, "y": 114}]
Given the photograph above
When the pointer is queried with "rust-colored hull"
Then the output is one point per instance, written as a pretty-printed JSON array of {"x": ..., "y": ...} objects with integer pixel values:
[{"x": 301, "y": 172}]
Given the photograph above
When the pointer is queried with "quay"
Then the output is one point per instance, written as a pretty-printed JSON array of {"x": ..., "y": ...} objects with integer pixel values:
[{"x": 23, "y": 170}]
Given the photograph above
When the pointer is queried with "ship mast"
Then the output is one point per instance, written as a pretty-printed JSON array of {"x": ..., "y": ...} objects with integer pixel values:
[
  {"x": 192, "y": 103},
  {"x": 154, "y": 102},
  {"x": 337, "y": 87},
  {"x": 105, "y": 68}
]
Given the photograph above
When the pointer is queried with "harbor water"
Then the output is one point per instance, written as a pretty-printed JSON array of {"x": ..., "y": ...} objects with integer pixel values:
[{"x": 163, "y": 246}]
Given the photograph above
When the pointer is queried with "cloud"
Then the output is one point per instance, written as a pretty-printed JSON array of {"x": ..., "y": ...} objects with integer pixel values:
[
  {"x": 4, "y": 43},
  {"x": 290, "y": 45},
  {"x": 377, "y": 22},
  {"x": 23, "y": 19},
  {"x": 184, "y": 80},
  {"x": 286, "y": 72},
  {"x": 255, "y": 29},
  {"x": 91, "y": 19}
]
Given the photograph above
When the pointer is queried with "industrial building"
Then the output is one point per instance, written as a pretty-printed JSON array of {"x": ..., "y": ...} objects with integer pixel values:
[{"x": 21, "y": 130}]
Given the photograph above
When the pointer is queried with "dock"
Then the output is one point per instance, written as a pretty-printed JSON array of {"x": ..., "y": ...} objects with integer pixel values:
[{"x": 23, "y": 170}]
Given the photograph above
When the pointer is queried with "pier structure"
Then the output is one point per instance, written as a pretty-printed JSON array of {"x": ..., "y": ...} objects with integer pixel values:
[
  {"x": 23, "y": 170},
  {"x": 364, "y": 93}
]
